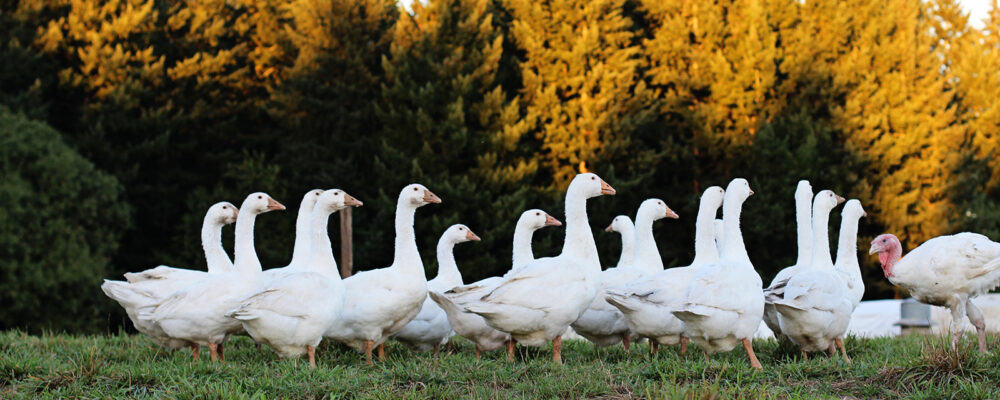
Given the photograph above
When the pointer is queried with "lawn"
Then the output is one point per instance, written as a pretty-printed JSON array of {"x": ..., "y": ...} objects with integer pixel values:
[{"x": 130, "y": 366}]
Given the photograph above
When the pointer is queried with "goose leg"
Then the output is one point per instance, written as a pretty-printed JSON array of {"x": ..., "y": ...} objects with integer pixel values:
[
  {"x": 833, "y": 349},
  {"x": 557, "y": 349},
  {"x": 369, "y": 344},
  {"x": 222, "y": 351},
  {"x": 194, "y": 351},
  {"x": 976, "y": 316},
  {"x": 311, "y": 351},
  {"x": 957, "y": 318},
  {"x": 477, "y": 352},
  {"x": 654, "y": 347},
  {"x": 840, "y": 343},
  {"x": 626, "y": 337},
  {"x": 805, "y": 357},
  {"x": 214, "y": 350},
  {"x": 748, "y": 346},
  {"x": 381, "y": 352},
  {"x": 436, "y": 348},
  {"x": 684, "y": 345},
  {"x": 510, "y": 349}
]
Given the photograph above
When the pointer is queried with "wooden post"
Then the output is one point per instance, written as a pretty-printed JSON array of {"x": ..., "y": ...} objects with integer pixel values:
[{"x": 346, "y": 244}]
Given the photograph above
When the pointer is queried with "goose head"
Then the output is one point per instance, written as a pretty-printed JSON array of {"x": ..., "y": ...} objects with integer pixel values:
[
  {"x": 417, "y": 195},
  {"x": 620, "y": 224},
  {"x": 535, "y": 219},
  {"x": 259, "y": 203},
  {"x": 826, "y": 200},
  {"x": 309, "y": 200},
  {"x": 589, "y": 185},
  {"x": 804, "y": 191},
  {"x": 459, "y": 233},
  {"x": 712, "y": 198},
  {"x": 223, "y": 213},
  {"x": 335, "y": 199},
  {"x": 740, "y": 189},
  {"x": 655, "y": 209},
  {"x": 853, "y": 210}
]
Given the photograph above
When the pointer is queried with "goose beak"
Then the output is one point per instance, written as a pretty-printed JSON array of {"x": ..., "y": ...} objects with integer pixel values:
[
  {"x": 350, "y": 201},
  {"x": 236, "y": 214},
  {"x": 606, "y": 188},
  {"x": 431, "y": 197},
  {"x": 550, "y": 221},
  {"x": 751, "y": 192},
  {"x": 471, "y": 236},
  {"x": 608, "y": 229},
  {"x": 274, "y": 205},
  {"x": 840, "y": 199},
  {"x": 864, "y": 213},
  {"x": 672, "y": 214}
]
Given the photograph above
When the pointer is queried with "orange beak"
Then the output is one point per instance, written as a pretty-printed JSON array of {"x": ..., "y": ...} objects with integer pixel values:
[
  {"x": 549, "y": 221},
  {"x": 672, "y": 214},
  {"x": 350, "y": 201},
  {"x": 840, "y": 199},
  {"x": 608, "y": 229},
  {"x": 236, "y": 213},
  {"x": 751, "y": 192},
  {"x": 471, "y": 236},
  {"x": 431, "y": 197},
  {"x": 606, "y": 188},
  {"x": 274, "y": 205}
]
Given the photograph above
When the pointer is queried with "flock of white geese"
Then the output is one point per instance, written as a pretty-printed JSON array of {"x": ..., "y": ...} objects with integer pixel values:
[{"x": 717, "y": 302}]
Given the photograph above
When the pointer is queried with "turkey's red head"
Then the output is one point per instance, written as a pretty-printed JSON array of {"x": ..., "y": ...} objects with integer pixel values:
[{"x": 889, "y": 250}]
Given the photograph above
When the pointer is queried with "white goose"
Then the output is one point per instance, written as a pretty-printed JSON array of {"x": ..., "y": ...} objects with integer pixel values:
[
  {"x": 301, "y": 251},
  {"x": 291, "y": 313},
  {"x": 847, "y": 251},
  {"x": 218, "y": 215},
  {"x": 803, "y": 225},
  {"x": 380, "y": 302},
  {"x": 602, "y": 323},
  {"x": 149, "y": 290},
  {"x": 719, "y": 240},
  {"x": 647, "y": 302},
  {"x": 537, "y": 302},
  {"x": 813, "y": 306},
  {"x": 430, "y": 328},
  {"x": 472, "y": 326},
  {"x": 624, "y": 226},
  {"x": 946, "y": 271},
  {"x": 196, "y": 313},
  {"x": 724, "y": 303}
]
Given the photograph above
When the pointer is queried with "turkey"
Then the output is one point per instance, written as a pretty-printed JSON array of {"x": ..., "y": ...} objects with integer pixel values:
[{"x": 946, "y": 271}]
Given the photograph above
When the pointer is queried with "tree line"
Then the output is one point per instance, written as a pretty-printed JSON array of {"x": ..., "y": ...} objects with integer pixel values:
[{"x": 123, "y": 120}]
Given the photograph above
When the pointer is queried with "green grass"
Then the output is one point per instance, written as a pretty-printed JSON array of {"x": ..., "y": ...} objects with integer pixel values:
[{"x": 129, "y": 366}]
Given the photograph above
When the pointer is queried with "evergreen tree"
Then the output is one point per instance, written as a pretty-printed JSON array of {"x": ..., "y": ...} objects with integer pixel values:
[
  {"x": 448, "y": 123},
  {"x": 59, "y": 227}
]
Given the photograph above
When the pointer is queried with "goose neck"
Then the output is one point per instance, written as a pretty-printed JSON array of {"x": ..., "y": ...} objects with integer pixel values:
[
  {"x": 628, "y": 246},
  {"x": 821, "y": 239},
  {"x": 803, "y": 224},
  {"x": 301, "y": 253},
  {"x": 579, "y": 241},
  {"x": 847, "y": 247},
  {"x": 216, "y": 258},
  {"x": 406, "y": 255},
  {"x": 447, "y": 267},
  {"x": 733, "y": 237},
  {"x": 246, "y": 255},
  {"x": 647, "y": 256},
  {"x": 522, "y": 253},
  {"x": 321, "y": 257},
  {"x": 705, "y": 250}
]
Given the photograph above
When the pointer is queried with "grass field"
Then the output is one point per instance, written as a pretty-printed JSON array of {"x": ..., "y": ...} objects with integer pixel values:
[{"x": 129, "y": 366}]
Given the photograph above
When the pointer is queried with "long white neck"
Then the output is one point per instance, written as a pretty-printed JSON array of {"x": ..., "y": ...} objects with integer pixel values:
[
  {"x": 579, "y": 238},
  {"x": 406, "y": 257},
  {"x": 628, "y": 245},
  {"x": 734, "y": 248},
  {"x": 211, "y": 241},
  {"x": 321, "y": 250},
  {"x": 647, "y": 256},
  {"x": 847, "y": 248},
  {"x": 705, "y": 250},
  {"x": 821, "y": 239},
  {"x": 522, "y": 244},
  {"x": 447, "y": 268},
  {"x": 246, "y": 255},
  {"x": 803, "y": 224},
  {"x": 301, "y": 253}
]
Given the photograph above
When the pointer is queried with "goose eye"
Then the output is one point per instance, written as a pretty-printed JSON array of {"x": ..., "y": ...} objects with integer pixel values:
[
  {"x": 224, "y": 207},
  {"x": 461, "y": 229},
  {"x": 415, "y": 189},
  {"x": 260, "y": 197},
  {"x": 593, "y": 179}
]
